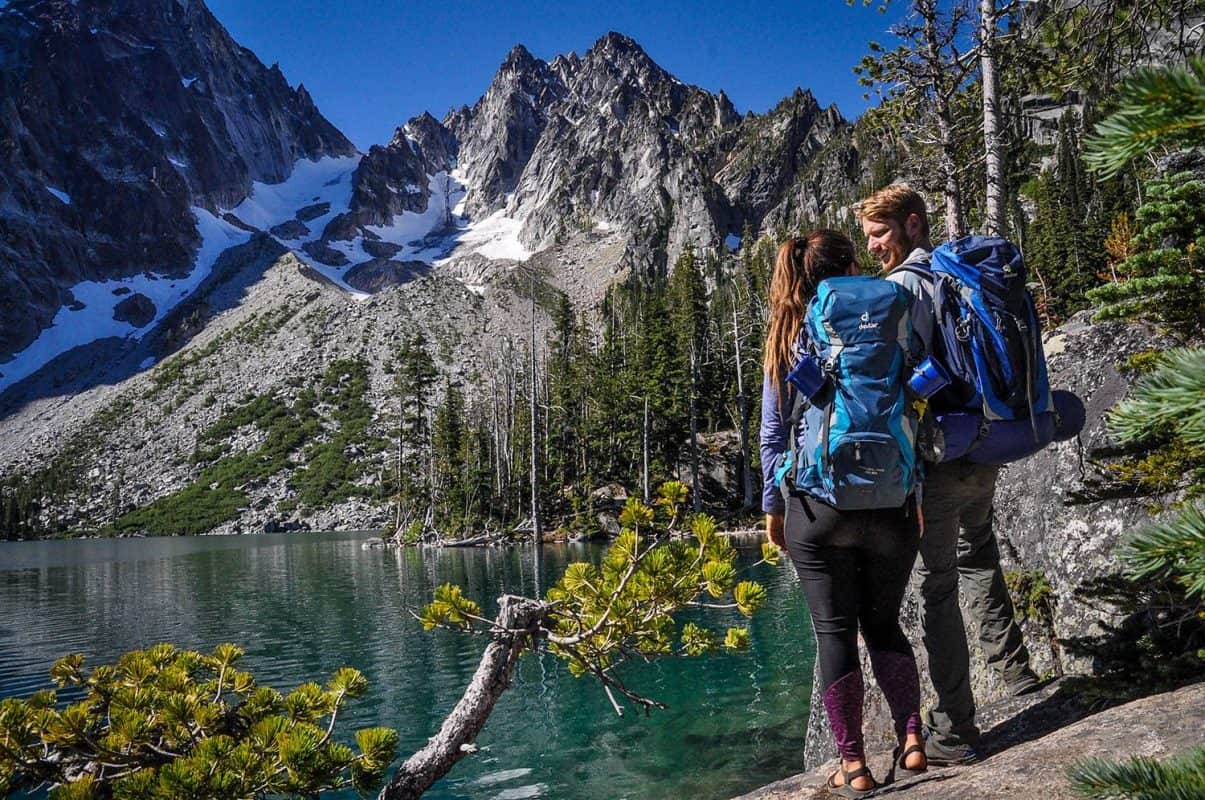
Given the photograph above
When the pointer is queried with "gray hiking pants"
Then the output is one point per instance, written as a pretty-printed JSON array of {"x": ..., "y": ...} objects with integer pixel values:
[{"x": 958, "y": 542}]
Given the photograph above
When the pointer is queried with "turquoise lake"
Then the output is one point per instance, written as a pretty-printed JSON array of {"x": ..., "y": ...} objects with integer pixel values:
[{"x": 305, "y": 604}]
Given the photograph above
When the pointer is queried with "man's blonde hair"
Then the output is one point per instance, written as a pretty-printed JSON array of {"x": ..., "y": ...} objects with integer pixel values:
[{"x": 895, "y": 203}]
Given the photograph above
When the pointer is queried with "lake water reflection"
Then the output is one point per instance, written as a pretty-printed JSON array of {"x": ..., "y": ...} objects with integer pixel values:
[{"x": 305, "y": 604}]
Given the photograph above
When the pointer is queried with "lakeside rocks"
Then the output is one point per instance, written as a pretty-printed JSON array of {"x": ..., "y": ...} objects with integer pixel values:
[{"x": 1022, "y": 762}]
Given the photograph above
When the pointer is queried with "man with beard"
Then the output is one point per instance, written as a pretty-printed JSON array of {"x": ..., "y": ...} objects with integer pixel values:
[{"x": 957, "y": 538}]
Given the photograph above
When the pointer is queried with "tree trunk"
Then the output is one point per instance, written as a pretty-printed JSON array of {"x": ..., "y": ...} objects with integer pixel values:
[
  {"x": 694, "y": 433},
  {"x": 515, "y": 626},
  {"x": 537, "y": 527},
  {"x": 955, "y": 228},
  {"x": 945, "y": 121},
  {"x": 644, "y": 454},
  {"x": 996, "y": 221},
  {"x": 742, "y": 411}
]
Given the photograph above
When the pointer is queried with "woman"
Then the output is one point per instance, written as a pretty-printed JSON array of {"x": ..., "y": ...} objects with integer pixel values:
[{"x": 853, "y": 565}]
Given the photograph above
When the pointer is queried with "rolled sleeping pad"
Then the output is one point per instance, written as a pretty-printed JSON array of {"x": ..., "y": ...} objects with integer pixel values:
[
  {"x": 1003, "y": 442},
  {"x": 1012, "y": 440},
  {"x": 1070, "y": 415},
  {"x": 959, "y": 431}
]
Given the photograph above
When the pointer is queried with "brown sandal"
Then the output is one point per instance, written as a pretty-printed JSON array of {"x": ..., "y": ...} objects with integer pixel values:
[
  {"x": 846, "y": 789},
  {"x": 900, "y": 759}
]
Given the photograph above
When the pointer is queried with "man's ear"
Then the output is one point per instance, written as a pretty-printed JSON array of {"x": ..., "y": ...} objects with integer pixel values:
[{"x": 913, "y": 227}]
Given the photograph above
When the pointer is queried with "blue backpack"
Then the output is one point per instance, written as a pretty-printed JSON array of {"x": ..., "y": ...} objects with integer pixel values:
[
  {"x": 998, "y": 407},
  {"x": 858, "y": 449}
]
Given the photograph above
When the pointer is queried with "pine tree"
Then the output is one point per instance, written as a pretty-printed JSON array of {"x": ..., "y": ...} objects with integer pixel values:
[
  {"x": 687, "y": 300},
  {"x": 1165, "y": 280},
  {"x": 414, "y": 379},
  {"x": 447, "y": 444}
]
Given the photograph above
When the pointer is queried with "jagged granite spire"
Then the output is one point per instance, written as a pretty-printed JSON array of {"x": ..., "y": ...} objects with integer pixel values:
[{"x": 499, "y": 134}]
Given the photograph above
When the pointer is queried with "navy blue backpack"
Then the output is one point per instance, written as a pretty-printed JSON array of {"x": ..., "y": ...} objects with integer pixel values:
[
  {"x": 998, "y": 407},
  {"x": 860, "y": 429}
]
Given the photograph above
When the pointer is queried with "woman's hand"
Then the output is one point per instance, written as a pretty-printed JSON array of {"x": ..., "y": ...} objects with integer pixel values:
[{"x": 774, "y": 529}]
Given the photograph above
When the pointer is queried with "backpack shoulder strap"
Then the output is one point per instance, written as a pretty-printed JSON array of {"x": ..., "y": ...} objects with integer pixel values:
[{"x": 916, "y": 269}]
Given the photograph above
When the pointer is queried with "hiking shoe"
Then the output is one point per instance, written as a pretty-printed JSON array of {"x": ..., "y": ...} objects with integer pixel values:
[
  {"x": 949, "y": 755},
  {"x": 1024, "y": 683}
]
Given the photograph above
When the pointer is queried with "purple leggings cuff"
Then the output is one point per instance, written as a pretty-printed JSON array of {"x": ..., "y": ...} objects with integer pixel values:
[
  {"x": 896, "y": 674},
  {"x": 843, "y": 704}
]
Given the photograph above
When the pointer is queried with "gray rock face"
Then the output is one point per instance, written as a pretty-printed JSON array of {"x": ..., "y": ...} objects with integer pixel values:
[
  {"x": 769, "y": 154},
  {"x": 1056, "y": 514},
  {"x": 137, "y": 309},
  {"x": 131, "y": 112},
  {"x": 498, "y": 135},
  {"x": 293, "y": 229},
  {"x": 396, "y": 178},
  {"x": 623, "y": 149},
  {"x": 612, "y": 140},
  {"x": 373, "y": 276}
]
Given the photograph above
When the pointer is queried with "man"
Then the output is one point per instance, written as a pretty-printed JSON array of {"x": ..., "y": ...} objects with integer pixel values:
[{"x": 957, "y": 509}]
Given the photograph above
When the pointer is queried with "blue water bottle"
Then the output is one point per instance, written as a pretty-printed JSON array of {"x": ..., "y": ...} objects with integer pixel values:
[
  {"x": 929, "y": 378},
  {"x": 808, "y": 377}
]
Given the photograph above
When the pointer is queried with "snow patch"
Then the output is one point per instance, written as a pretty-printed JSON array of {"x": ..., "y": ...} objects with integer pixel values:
[
  {"x": 63, "y": 197},
  {"x": 188, "y": 82},
  {"x": 178, "y": 162},
  {"x": 732, "y": 242},
  {"x": 409, "y": 229},
  {"x": 327, "y": 180},
  {"x": 71, "y": 329},
  {"x": 147, "y": 362},
  {"x": 495, "y": 237}
]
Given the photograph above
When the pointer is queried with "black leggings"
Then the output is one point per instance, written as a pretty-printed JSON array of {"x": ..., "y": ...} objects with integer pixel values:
[{"x": 854, "y": 567}]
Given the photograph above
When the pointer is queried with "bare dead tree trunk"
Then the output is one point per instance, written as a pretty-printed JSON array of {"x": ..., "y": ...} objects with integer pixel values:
[
  {"x": 945, "y": 121},
  {"x": 644, "y": 447},
  {"x": 694, "y": 432},
  {"x": 537, "y": 527},
  {"x": 996, "y": 221},
  {"x": 515, "y": 626},
  {"x": 742, "y": 411}
]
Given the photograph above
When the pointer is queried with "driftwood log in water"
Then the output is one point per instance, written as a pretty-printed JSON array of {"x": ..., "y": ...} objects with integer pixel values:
[{"x": 472, "y": 541}]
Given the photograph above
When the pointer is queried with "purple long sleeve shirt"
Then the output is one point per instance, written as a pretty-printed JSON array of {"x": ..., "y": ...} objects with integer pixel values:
[{"x": 775, "y": 437}]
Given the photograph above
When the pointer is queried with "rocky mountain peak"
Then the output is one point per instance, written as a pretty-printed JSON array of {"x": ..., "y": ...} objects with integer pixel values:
[
  {"x": 613, "y": 45},
  {"x": 519, "y": 59},
  {"x": 565, "y": 66},
  {"x": 617, "y": 59},
  {"x": 499, "y": 134}
]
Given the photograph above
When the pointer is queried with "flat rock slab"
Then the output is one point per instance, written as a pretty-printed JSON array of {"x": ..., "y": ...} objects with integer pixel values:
[{"x": 1160, "y": 726}]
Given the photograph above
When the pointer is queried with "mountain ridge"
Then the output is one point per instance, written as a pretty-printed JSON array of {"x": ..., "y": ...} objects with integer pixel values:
[{"x": 582, "y": 171}]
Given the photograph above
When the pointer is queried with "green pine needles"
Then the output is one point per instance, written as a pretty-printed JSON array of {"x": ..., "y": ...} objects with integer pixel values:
[
  {"x": 1173, "y": 394},
  {"x": 1170, "y": 399},
  {"x": 1159, "y": 107},
  {"x": 169, "y": 723},
  {"x": 1174, "y": 550},
  {"x": 1141, "y": 778},
  {"x": 598, "y": 617}
]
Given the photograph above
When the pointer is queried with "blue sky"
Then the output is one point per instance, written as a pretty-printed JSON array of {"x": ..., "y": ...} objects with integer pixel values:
[{"x": 373, "y": 64}]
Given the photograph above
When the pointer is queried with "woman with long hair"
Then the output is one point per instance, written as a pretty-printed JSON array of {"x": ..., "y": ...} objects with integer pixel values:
[{"x": 853, "y": 565}]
